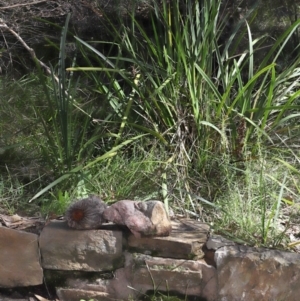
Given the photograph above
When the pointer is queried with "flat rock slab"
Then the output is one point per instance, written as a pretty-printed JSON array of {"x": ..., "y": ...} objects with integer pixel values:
[
  {"x": 143, "y": 274},
  {"x": 3, "y": 298},
  {"x": 63, "y": 248},
  {"x": 216, "y": 242},
  {"x": 72, "y": 294},
  {"x": 257, "y": 274},
  {"x": 19, "y": 259},
  {"x": 192, "y": 278},
  {"x": 185, "y": 242}
]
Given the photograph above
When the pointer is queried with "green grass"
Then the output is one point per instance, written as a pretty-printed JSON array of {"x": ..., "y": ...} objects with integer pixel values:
[
  {"x": 209, "y": 129},
  {"x": 123, "y": 178},
  {"x": 9, "y": 191}
]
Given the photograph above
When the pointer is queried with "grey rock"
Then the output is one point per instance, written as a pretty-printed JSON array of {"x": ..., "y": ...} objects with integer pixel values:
[
  {"x": 19, "y": 259},
  {"x": 74, "y": 294},
  {"x": 143, "y": 273},
  {"x": 215, "y": 242},
  {"x": 4, "y": 298},
  {"x": 185, "y": 241},
  {"x": 252, "y": 274},
  {"x": 63, "y": 248}
]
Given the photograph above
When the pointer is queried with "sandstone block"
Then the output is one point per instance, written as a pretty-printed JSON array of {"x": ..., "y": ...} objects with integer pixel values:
[
  {"x": 19, "y": 259},
  {"x": 5, "y": 298},
  {"x": 68, "y": 294},
  {"x": 216, "y": 242},
  {"x": 252, "y": 274},
  {"x": 63, "y": 248},
  {"x": 184, "y": 277},
  {"x": 185, "y": 241},
  {"x": 144, "y": 274}
]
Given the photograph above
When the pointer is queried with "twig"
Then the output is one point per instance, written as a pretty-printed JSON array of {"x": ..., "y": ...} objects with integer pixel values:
[
  {"x": 34, "y": 57},
  {"x": 10, "y": 55},
  {"x": 22, "y": 4},
  {"x": 29, "y": 49}
]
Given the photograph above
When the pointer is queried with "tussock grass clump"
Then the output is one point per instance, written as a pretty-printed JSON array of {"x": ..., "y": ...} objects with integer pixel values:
[{"x": 183, "y": 113}]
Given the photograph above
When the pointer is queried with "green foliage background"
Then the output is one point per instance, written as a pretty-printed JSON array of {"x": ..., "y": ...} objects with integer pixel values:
[{"x": 186, "y": 110}]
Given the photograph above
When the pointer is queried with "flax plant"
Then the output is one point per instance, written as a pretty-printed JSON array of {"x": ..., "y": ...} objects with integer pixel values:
[
  {"x": 205, "y": 99},
  {"x": 70, "y": 146},
  {"x": 61, "y": 119}
]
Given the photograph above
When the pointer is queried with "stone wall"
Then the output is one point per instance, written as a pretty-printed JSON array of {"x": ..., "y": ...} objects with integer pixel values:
[{"x": 110, "y": 263}]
